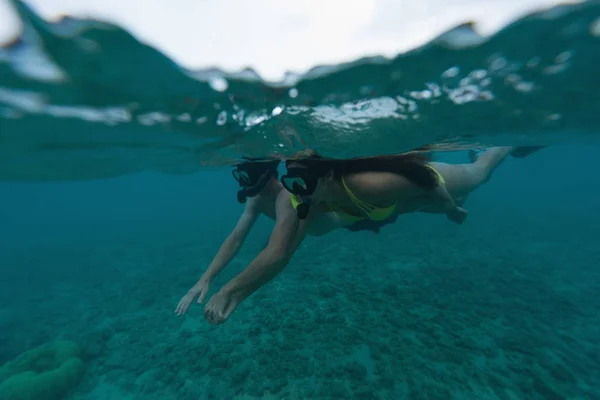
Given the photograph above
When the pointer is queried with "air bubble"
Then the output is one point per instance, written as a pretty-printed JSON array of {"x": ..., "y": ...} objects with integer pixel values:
[
  {"x": 293, "y": 93},
  {"x": 465, "y": 94},
  {"x": 185, "y": 117},
  {"x": 451, "y": 72},
  {"x": 401, "y": 100},
  {"x": 412, "y": 106},
  {"x": 118, "y": 115},
  {"x": 145, "y": 120},
  {"x": 276, "y": 111},
  {"x": 478, "y": 74},
  {"x": 486, "y": 95},
  {"x": 255, "y": 120},
  {"x": 524, "y": 87},
  {"x": 554, "y": 117},
  {"x": 512, "y": 78},
  {"x": 554, "y": 69},
  {"x": 218, "y": 84},
  {"x": 434, "y": 89},
  {"x": 562, "y": 57},
  {"x": 533, "y": 62},
  {"x": 222, "y": 118},
  {"x": 498, "y": 63}
]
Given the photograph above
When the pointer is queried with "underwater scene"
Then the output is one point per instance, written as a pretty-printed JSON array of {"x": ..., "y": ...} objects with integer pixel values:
[{"x": 418, "y": 227}]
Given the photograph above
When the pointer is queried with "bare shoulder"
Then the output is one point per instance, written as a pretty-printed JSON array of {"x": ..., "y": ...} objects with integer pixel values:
[
  {"x": 284, "y": 197},
  {"x": 379, "y": 185},
  {"x": 284, "y": 203}
]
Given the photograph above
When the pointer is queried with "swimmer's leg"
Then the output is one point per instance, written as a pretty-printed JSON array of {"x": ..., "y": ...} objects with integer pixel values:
[
  {"x": 486, "y": 162},
  {"x": 524, "y": 151}
]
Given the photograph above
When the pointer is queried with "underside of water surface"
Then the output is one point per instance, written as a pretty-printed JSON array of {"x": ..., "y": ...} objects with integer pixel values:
[{"x": 84, "y": 99}]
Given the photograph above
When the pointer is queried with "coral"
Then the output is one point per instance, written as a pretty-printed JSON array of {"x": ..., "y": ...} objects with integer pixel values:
[{"x": 46, "y": 372}]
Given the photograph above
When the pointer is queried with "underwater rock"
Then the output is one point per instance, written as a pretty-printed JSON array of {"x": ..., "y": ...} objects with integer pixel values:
[{"x": 46, "y": 372}]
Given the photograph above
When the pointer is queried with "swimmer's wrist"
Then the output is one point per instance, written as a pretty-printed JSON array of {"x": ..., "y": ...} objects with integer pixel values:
[
  {"x": 241, "y": 286},
  {"x": 232, "y": 287}
]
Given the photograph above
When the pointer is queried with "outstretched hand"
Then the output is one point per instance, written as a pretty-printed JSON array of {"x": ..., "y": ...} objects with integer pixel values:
[
  {"x": 220, "y": 306},
  {"x": 199, "y": 290},
  {"x": 457, "y": 215}
]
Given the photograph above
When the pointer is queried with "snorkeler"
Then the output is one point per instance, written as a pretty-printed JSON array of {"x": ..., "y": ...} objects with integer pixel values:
[
  {"x": 263, "y": 194},
  {"x": 377, "y": 188},
  {"x": 367, "y": 189},
  {"x": 259, "y": 190}
]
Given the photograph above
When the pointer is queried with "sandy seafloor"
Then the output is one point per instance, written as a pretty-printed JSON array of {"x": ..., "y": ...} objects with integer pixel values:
[{"x": 503, "y": 307}]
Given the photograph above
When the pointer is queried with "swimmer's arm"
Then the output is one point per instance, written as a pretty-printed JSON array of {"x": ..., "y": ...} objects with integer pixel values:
[
  {"x": 234, "y": 241},
  {"x": 444, "y": 203},
  {"x": 287, "y": 235},
  {"x": 442, "y": 194}
]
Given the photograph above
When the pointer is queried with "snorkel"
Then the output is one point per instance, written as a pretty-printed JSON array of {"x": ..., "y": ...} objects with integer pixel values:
[{"x": 303, "y": 209}]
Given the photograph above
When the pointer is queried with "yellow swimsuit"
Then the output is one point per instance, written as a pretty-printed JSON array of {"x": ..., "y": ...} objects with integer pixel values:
[
  {"x": 370, "y": 211},
  {"x": 441, "y": 180}
]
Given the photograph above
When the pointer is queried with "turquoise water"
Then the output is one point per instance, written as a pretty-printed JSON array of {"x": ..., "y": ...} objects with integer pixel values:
[{"x": 116, "y": 193}]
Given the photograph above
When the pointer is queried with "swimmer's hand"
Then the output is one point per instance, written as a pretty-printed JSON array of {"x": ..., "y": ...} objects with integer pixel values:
[
  {"x": 199, "y": 290},
  {"x": 220, "y": 306},
  {"x": 457, "y": 215}
]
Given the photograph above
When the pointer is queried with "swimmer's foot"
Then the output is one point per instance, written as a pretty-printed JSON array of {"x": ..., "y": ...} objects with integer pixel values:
[
  {"x": 457, "y": 215},
  {"x": 524, "y": 151}
]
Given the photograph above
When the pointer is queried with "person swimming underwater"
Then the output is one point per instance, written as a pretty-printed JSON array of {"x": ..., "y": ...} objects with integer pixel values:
[
  {"x": 259, "y": 189},
  {"x": 355, "y": 190},
  {"x": 379, "y": 188}
]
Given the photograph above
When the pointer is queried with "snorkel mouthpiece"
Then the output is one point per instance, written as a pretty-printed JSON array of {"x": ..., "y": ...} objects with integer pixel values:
[{"x": 303, "y": 209}]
